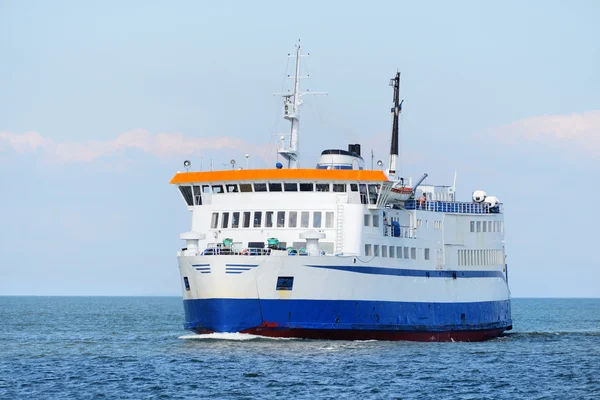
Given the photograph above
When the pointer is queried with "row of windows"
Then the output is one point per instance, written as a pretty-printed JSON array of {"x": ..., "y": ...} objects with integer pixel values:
[
  {"x": 487, "y": 226},
  {"x": 480, "y": 257},
  {"x": 395, "y": 252},
  {"x": 294, "y": 219},
  {"x": 193, "y": 194},
  {"x": 425, "y": 223}
]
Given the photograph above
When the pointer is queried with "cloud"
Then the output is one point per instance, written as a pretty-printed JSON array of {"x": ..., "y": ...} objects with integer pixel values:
[
  {"x": 577, "y": 130},
  {"x": 161, "y": 145}
]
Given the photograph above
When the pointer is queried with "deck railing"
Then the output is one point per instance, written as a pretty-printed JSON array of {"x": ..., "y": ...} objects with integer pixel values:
[{"x": 453, "y": 207}]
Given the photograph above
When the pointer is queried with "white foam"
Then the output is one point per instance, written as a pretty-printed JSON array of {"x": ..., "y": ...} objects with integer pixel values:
[{"x": 233, "y": 336}]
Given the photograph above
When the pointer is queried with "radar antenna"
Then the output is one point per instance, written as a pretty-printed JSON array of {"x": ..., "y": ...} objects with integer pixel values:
[{"x": 396, "y": 110}]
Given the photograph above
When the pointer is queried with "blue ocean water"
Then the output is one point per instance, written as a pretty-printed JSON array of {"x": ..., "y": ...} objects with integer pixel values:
[{"x": 135, "y": 347}]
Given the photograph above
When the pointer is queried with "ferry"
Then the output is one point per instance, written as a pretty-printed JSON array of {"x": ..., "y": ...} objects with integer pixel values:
[{"x": 339, "y": 251}]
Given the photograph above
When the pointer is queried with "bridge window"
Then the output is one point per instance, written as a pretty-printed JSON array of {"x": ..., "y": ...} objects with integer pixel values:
[
  {"x": 372, "y": 194},
  {"x": 257, "y": 219},
  {"x": 290, "y": 187},
  {"x": 329, "y": 219},
  {"x": 339, "y": 187},
  {"x": 245, "y": 187},
  {"x": 260, "y": 187},
  {"x": 197, "y": 196},
  {"x": 292, "y": 219},
  {"x": 274, "y": 187},
  {"x": 225, "y": 220},
  {"x": 322, "y": 187},
  {"x": 186, "y": 191},
  {"x": 246, "y": 223},
  {"x": 269, "y": 219},
  {"x": 306, "y": 187},
  {"x": 280, "y": 219},
  {"x": 217, "y": 189},
  {"x": 363, "y": 193},
  {"x": 235, "y": 220},
  {"x": 232, "y": 188},
  {"x": 354, "y": 187},
  {"x": 368, "y": 251},
  {"x": 392, "y": 248},
  {"x": 214, "y": 221},
  {"x": 317, "y": 219}
]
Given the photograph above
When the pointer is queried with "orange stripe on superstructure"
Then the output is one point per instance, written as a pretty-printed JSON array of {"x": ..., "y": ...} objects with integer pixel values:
[{"x": 280, "y": 174}]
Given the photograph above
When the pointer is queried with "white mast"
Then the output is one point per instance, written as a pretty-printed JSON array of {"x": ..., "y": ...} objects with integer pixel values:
[{"x": 291, "y": 109}]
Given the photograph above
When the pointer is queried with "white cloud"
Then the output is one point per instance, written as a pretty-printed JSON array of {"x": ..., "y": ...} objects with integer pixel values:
[
  {"x": 162, "y": 145},
  {"x": 577, "y": 130}
]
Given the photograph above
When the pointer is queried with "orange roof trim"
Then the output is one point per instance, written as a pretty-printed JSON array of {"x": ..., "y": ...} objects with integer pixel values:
[{"x": 279, "y": 174}]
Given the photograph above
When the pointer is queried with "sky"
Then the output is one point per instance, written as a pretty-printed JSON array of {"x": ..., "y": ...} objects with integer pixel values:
[{"x": 101, "y": 102}]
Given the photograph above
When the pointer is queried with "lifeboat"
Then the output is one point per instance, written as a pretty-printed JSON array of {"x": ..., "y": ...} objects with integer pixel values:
[{"x": 400, "y": 194}]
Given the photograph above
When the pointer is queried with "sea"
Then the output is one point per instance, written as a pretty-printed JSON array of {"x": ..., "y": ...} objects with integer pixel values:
[{"x": 136, "y": 348}]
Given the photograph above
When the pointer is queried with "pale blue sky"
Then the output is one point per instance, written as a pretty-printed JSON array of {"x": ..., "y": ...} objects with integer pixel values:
[{"x": 101, "y": 102}]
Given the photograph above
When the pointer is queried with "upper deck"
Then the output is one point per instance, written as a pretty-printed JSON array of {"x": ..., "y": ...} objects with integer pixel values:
[{"x": 279, "y": 175}]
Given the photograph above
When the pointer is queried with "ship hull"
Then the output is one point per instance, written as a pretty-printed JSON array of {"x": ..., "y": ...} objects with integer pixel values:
[{"x": 240, "y": 294}]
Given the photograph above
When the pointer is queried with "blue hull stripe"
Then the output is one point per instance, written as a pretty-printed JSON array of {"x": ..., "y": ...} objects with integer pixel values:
[
  {"x": 235, "y": 315},
  {"x": 412, "y": 272},
  {"x": 241, "y": 265}
]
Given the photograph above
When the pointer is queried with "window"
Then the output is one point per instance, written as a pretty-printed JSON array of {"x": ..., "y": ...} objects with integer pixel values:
[
  {"x": 368, "y": 250},
  {"x": 398, "y": 252},
  {"x": 232, "y": 188},
  {"x": 257, "y": 219},
  {"x": 217, "y": 189},
  {"x": 274, "y": 187},
  {"x": 484, "y": 226},
  {"x": 363, "y": 193},
  {"x": 186, "y": 191},
  {"x": 235, "y": 220},
  {"x": 290, "y": 187},
  {"x": 269, "y": 219},
  {"x": 306, "y": 187},
  {"x": 260, "y": 187},
  {"x": 375, "y": 221},
  {"x": 197, "y": 196},
  {"x": 392, "y": 248},
  {"x": 367, "y": 220},
  {"x": 406, "y": 253},
  {"x": 489, "y": 226},
  {"x": 339, "y": 187},
  {"x": 426, "y": 254},
  {"x": 205, "y": 188},
  {"x": 225, "y": 220},
  {"x": 478, "y": 226},
  {"x": 322, "y": 187},
  {"x": 329, "y": 219},
  {"x": 246, "y": 219},
  {"x": 413, "y": 253},
  {"x": 292, "y": 219},
  {"x": 372, "y": 194},
  {"x": 280, "y": 219},
  {"x": 354, "y": 187},
  {"x": 376, "y": 250},
  {"x": 384, "y": 251},
  {"x": 304, "y": 219},
  {"x": 285, "y": 283},
  {"x": 317, "y": 219},
  {"x": 186, "y": 282},
  {"x": 215, "y": 221},
  {"x": 245, "y": 187}
]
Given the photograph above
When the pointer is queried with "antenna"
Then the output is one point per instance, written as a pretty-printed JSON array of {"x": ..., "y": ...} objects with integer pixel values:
[
  {"x": 396, "y": 110},
  {"x": 291, "y": 110}
]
